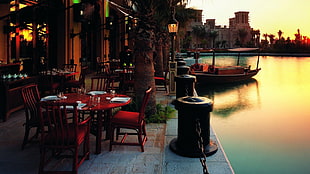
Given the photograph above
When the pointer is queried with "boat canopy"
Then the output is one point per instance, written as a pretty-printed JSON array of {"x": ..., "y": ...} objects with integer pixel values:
[{"x": 242, "y": 49}]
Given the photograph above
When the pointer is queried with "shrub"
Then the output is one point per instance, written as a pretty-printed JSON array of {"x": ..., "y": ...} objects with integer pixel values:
[{"x": 162, "y": 114}]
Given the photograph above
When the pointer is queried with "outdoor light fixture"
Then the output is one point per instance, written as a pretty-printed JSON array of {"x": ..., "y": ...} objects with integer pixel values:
[
  {"x": 173, "y": 26},
  {"x": 173, "y": 23},
  {"x": 173, "y": 29}
]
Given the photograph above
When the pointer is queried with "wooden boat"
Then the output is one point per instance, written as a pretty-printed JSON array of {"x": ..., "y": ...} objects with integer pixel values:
[{"x": 211, "y": 74}]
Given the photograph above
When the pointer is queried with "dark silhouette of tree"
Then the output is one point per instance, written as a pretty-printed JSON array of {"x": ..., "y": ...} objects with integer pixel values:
[
  {"x": 271, "y": 38},
  {"x": 223, "y": 44},
  {"x": 280, "y": 34},
  {"x": 242, "y": 33},
  {"x": 199, "y": 32},
  {"x": 213, "y": 35},
  {"x": 265, "y": 36}
]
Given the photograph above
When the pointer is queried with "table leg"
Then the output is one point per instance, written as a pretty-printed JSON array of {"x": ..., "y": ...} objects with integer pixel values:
[
  {"x": 99, "y": 132},
  {"x": 107, "y": 119},
  {"x": 108, "y": 116}
]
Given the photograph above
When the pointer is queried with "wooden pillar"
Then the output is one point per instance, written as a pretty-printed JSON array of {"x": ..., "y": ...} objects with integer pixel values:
[{"x": 4, "y": 36}]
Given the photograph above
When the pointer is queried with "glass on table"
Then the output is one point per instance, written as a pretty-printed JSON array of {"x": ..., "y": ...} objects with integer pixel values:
[
  {"x": 79, "y": 91},
  {"x": 84, "y": 91},
  {"x": 98, "y": 99},
  {"x": 60, "y": 94},
  {"x": 112, "y": 92}
]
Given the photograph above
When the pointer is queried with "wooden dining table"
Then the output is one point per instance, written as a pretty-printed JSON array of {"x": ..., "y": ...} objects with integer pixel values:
[{"x": 91, "y": 103}]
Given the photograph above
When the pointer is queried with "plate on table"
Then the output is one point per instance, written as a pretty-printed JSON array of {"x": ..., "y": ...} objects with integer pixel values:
[
  {"x": 80, "y": 105},
  {"x": 96, "y": 92},
  {"x": 120, "y": 99},
  {"x": 50, "y": 97}
]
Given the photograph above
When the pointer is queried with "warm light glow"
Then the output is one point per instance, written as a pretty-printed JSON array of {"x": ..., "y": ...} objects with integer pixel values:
[
  {"x": 76, "y": 1},
  {"x": 107, "y": 9},
  {"x": 27, "y": 34},
  {"x": 12, "y": 3},
  {"x": 173, "y": 27}
]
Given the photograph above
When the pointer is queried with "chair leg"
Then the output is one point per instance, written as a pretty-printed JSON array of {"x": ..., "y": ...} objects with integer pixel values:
[
  {"x": 86, "y": 148},
  {"x": 26, "y": 136},
  {"x": 111, "y": 136},
  {"x": 75, "y": 160},
  {"x": 140, "y": 139},
  {"x": 144, "y": 130},
  {"x": 118, "y": 130},
  {"x": 42, "y": 160}
]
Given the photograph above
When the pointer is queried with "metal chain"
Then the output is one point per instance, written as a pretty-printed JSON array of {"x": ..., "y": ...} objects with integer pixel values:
[
  {"x": 203, "y": 157},
  {"x": 186, "y": 90}
]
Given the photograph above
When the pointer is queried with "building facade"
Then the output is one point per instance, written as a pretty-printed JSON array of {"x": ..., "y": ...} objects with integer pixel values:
[
  {"x": 56, "y": 32},
  {"x": 238, "y": 34}
]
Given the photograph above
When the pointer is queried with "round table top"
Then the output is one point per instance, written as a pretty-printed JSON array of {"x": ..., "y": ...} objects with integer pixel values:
[{"x": 97, "y": 102}]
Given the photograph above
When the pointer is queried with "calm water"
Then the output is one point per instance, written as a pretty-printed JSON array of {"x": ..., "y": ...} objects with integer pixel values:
[{"x": 264, "y": 124}]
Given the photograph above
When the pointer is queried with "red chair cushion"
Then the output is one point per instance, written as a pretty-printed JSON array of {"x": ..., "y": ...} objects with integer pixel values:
[
  {"x": 126, "y": 117},
  {"x": 159, "y": 78}
]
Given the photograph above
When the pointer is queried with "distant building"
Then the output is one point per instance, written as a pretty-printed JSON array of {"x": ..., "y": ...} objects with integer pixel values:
[{"x": 238, "y": 34}]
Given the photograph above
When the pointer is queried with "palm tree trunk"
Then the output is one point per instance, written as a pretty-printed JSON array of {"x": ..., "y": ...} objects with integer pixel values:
[
  {"x": 158, "y": 58},
  {"x": 144, "y": 72}
]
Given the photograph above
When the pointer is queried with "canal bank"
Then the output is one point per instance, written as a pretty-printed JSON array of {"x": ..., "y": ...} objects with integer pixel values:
[{"x": 176, "y": 164}]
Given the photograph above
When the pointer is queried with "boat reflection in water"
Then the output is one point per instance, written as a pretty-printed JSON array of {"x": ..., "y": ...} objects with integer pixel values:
[{"x": 230, "y": 98}]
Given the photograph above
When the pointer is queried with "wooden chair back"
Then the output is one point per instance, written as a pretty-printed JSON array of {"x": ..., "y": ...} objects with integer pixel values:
[
  {"x": 145, "y": 100},
  {"x": 70, "y": 67},
  {"x": 31, "y": 97},
  {"x": 83, "y": 75},
  {"x": 101, "y": 83}
]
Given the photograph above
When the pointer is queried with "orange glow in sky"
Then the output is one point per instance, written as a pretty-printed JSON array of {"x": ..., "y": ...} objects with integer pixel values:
[{"x": 269, "y": 16}]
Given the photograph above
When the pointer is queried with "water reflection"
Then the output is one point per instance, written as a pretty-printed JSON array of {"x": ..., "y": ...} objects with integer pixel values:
[
  {"x": 231, "y": 98},
  {"x": 263, "y": 124}
]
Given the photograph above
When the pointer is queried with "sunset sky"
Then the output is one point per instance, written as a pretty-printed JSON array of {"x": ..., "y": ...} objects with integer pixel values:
[{"x": 269, "y": 16}]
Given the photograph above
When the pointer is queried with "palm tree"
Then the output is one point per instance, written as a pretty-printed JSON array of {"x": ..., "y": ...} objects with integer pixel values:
[
  {"x": 271, "y": 38},
  {"x": 161, "y": 52},
  {"x": 183, "y": 16},
  {"x": 265, "y": 36},
  {"x": 161, "y": 16},
  {"x": 223, "y": 43},
  {"x": 144, "y": 37},
  {"x": 199, "y": 33},
  {"x": 144, "y": 11},
  {"x": 280, "y": 34},
  {"x": 213, "y": 35},
  {"x": 242, "y": 33}
]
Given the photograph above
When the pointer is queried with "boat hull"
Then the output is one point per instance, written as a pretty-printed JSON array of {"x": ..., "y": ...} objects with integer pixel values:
[{"x": 208, "y": 78}]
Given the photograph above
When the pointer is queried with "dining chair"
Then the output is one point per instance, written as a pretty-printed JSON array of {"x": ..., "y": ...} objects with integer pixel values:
[
  {"x": 62, "y": 133},
  {"x": 161, "y": 83},
  {"x": 126, "y": 120},
  {"x": 80, "y": 83},
  {"x": 70, "y": 67},
  {"x": 31, "y": 97},
  {"x": 127, "y": 80},
  {"x": 48, "y": 83},
  {"x": 100, "y": 66},
  {"x": 101, "y": 83}
]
